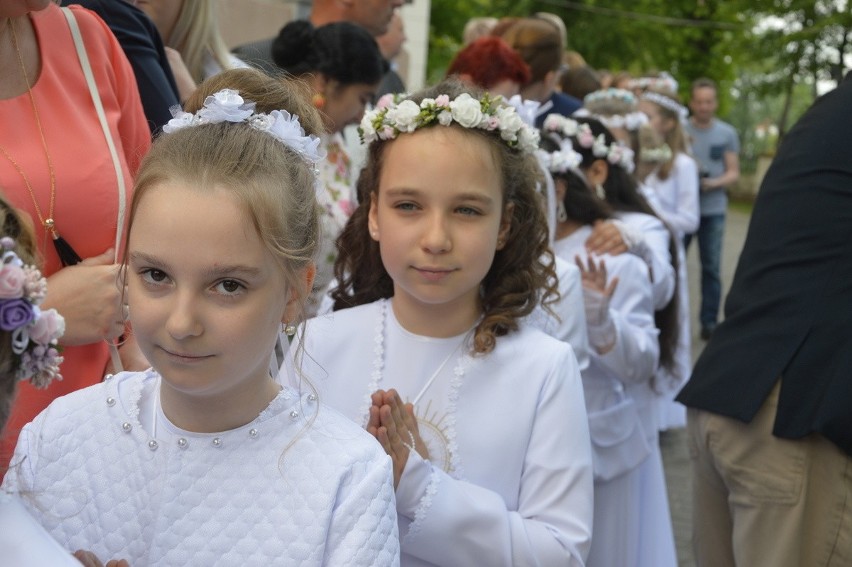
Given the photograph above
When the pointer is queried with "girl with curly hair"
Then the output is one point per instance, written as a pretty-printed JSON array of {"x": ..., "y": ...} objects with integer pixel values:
[{"x": 482, "y": 414}]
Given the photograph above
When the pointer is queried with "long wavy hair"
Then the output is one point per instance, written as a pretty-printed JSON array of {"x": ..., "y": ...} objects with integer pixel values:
[{"x": 522, "y": 275}]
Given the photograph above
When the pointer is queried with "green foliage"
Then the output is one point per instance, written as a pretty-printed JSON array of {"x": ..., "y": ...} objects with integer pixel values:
[{"x": 768, "y": 56}]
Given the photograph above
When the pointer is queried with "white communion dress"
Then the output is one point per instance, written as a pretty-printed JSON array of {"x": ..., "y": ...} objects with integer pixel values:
[
  {"x": 632, "y": 524},
  {"x": 676, "y": 202},
  {"x": 296, "y": 486},
  {"x": 23, "y": 542},
  {"x": 509, "y": 478}
]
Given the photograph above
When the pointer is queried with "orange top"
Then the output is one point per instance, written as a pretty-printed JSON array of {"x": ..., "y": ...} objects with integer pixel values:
[{"x": 86, "y": 210}]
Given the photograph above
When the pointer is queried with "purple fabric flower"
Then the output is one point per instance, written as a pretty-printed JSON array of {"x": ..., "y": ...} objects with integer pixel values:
[{"x": 15, "y": 314}]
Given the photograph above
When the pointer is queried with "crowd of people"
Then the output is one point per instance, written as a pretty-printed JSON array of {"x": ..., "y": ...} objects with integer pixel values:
[{"x": 457, "y": 345}]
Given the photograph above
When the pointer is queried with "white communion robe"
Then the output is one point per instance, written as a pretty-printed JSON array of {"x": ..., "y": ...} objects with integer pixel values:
[
  {"x": 23, "y": 542},
  {"x": 509, "y": 479},
  {"x": 676, "y": 201},
  {"x": 293, "y": 487},
  {"x": 632, "y": 523}
]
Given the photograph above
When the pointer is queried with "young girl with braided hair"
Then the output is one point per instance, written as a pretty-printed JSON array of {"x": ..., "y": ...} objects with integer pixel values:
[
  {"x": 205, "y": 458},
  {"x": 482, "y": 414}
]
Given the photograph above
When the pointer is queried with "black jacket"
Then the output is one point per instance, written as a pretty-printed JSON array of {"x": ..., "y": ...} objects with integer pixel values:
[{"x": 789, "y": 312}]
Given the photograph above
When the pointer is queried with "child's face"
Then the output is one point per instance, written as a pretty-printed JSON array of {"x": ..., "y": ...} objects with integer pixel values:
[
  {"x": 206, "y": 297},
  {"x": 439, "y": 217},
  {"x": 655, "y": 118}
]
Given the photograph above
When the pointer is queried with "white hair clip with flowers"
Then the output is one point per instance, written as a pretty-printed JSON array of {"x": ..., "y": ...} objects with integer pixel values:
[
  {"x": 228, "y": 106},
  {"x": 393, "y": 116},
  {"x": 615, "y": 153},
  {"x": 34, "y": 333}
]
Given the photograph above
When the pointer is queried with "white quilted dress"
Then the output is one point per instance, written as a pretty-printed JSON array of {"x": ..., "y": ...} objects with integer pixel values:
[{"x": 242, "y": 497}]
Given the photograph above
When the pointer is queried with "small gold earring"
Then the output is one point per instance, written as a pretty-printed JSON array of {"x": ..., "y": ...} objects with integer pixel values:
[{"x": 289, "y": 329}]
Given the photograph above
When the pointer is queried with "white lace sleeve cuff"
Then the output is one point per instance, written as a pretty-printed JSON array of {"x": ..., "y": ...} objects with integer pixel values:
[{"x": 417, "y": 486}]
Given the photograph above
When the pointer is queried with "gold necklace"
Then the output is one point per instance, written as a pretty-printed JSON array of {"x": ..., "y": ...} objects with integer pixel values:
[{"x": 67, "y": 255}]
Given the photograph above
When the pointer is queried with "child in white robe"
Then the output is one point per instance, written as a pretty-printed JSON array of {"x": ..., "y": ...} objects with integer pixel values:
[
  {"x": 482, "y": 413},
  {"x": 205, "y": 459},
  {"x": 673, "y": 184},
  {"x": 632, "y": 524}
]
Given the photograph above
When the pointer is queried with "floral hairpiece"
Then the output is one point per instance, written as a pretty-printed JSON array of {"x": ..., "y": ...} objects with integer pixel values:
[
  {"x": 666, "y": 102},
  {"x": 615, "y": 153},
  {"x": 631, "y": 121},
  {"x": 228, "y": 106},
  {"x": 393, "y": 116},
  {"x": 611, "y": 93},
  {"x": 664, "y": 82},
  {"x": 34, "y": 333},
  {"x": 659, "y": 154},
  {"x": 565, "y": 159}
]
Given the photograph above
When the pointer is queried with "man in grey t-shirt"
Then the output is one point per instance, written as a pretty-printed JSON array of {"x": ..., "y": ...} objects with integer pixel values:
[{"x": 716, "y": 147}]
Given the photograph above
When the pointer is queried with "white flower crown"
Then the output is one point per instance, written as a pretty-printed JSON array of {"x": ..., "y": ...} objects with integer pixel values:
[
  {"x": 611, "y": 93},
  {"x": 667, "y": 103},
  {"x": 565, "y": 159},
  {"x": 393, "y": 116},
  {"x": 228, "y": 106},
  {"x": 659, "y": 154},
  {"x": 34, "y": 333},
  {"x": 631, "y": 121},
  {"x": 615, "y": 153}
]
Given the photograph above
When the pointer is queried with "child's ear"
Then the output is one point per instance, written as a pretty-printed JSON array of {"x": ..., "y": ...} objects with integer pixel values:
[
  {"x": 505, "y": 225},
  {"x": 298, "y": 293},
  {"x": 372, "y": 218},
  {"x": 597, "y": 172}
]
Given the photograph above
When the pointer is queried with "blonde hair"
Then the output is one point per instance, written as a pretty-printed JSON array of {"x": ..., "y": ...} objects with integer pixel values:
[
  {"x": 476, "y": 28},
  {"x": 273, "y": 183},
  {"x": 195, "y": 33},
  {"x": 674, "y": 138}
]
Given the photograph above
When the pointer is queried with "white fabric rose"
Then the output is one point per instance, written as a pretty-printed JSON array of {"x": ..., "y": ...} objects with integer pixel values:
[
  {"x": 226, "y": 106},
  {"x": 466, "y": 110},
  {"x": 404, "y": 116}
]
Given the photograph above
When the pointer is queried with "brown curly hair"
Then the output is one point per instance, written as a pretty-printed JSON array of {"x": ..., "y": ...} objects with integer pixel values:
[{"x": 522, "y": 274}]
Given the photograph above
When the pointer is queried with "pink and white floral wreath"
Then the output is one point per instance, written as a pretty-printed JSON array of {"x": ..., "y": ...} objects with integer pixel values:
[
  {"x": 615, "y": 153},
  {"x": 393, "y": 116}
]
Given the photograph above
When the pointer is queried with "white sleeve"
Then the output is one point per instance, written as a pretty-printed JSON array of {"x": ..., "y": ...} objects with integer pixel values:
[
  {"x": 684, "y": 219},
  {"x": 364, "y": 530},
  {"x": 453, "y": 522},
  {"x": 658, "y": 238},
  {"x": 636, "y": 353},
  {"x": 569, "y": 323}
]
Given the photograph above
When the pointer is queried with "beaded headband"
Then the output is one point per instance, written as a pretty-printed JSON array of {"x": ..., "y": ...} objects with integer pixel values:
[
  {"x": 34, "y": 333},
  {"x": 228, "y": 106},
  {"x": 615, "y": 153},
  {"x": 393, "y": 116},
  {"x": 667, "y": 103}
]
